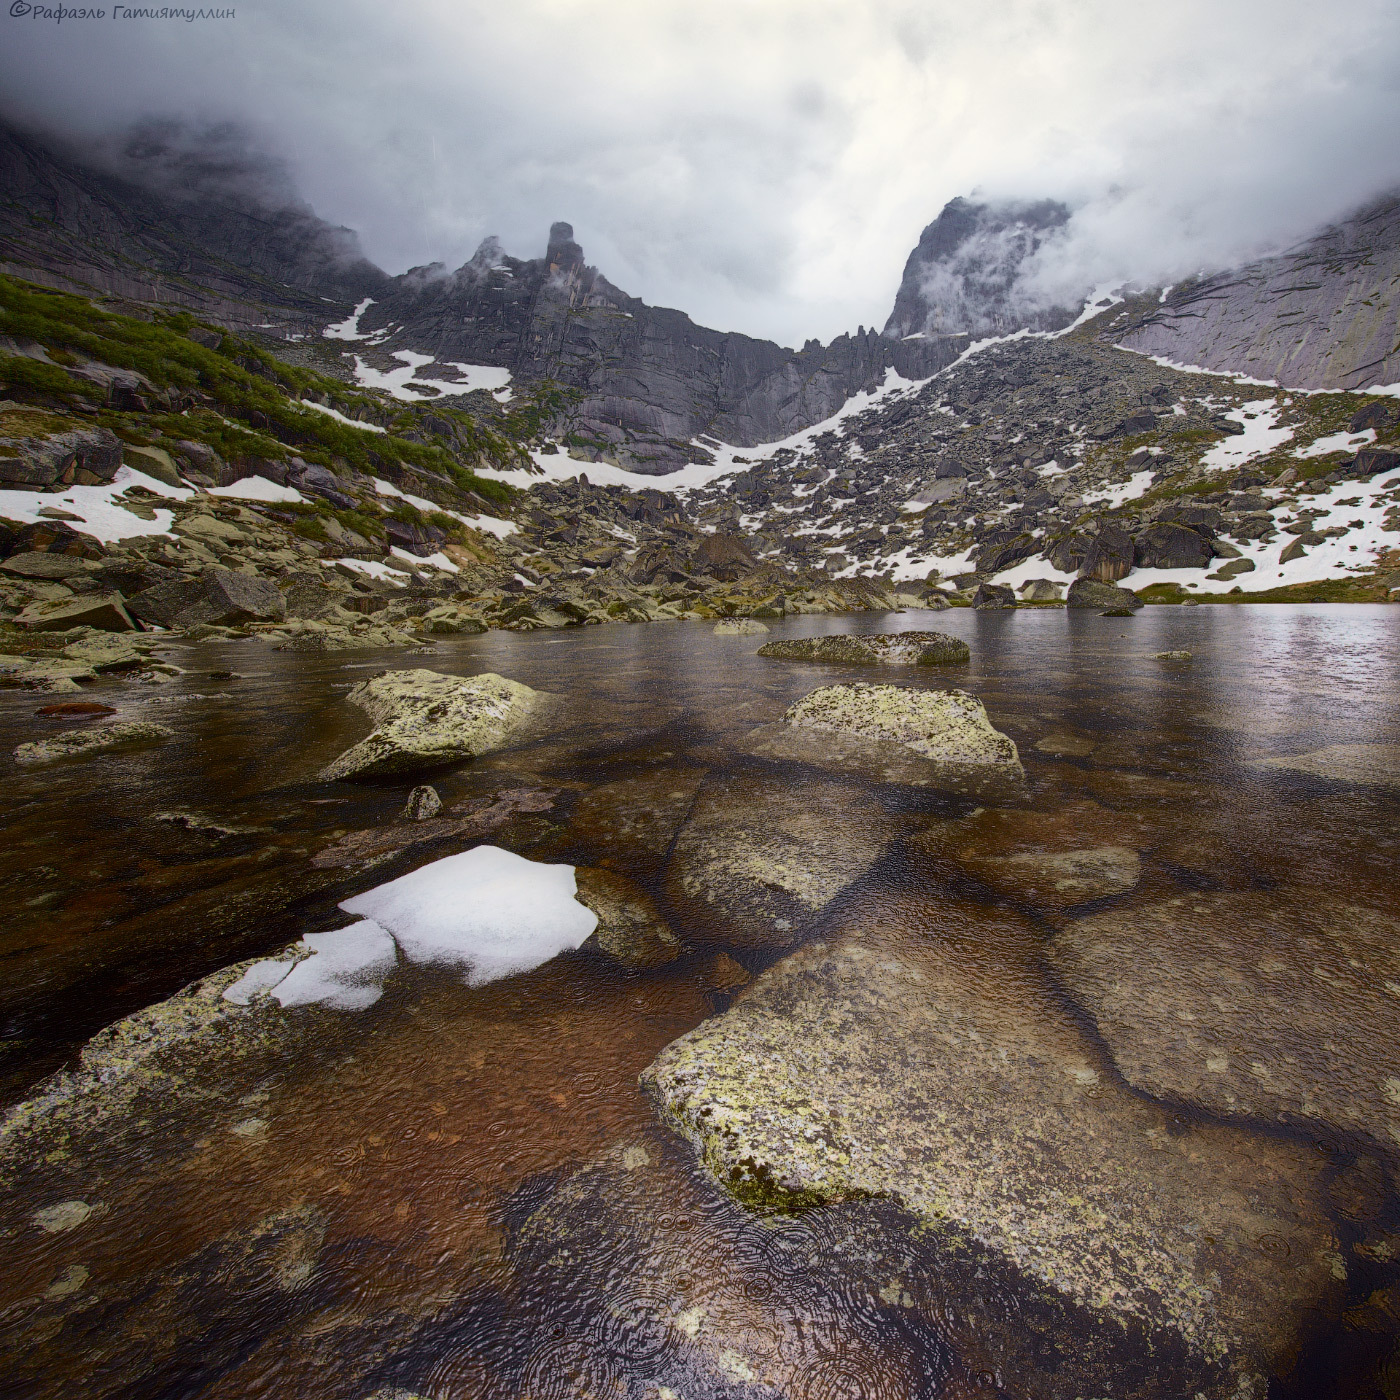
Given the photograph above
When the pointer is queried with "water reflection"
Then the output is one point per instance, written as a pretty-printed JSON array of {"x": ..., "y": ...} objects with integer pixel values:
[{"x": 463, "y": 1191}]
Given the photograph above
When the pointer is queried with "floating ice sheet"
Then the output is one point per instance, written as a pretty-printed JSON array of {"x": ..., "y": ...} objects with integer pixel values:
[{"x": 487, "y": 911}]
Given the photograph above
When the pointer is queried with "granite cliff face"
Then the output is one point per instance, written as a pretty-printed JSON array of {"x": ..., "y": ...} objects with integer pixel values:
[
  {"x": 238, "y": 260},
  {"x": 650, "y": 380},
  {"x": 964, "y": 276},
  {"x": 1324, "y": 316}
]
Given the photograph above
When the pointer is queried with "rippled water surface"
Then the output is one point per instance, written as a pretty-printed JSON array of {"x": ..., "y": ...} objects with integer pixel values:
[{"x": 464, "y": 1192}]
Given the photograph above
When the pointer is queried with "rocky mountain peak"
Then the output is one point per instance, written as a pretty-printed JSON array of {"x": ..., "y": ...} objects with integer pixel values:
[
  {"x": 563, "y": 255},
  {"x": 966, "y": 274}
]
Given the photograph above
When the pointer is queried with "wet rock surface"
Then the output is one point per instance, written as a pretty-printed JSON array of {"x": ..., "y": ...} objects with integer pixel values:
[
  {"x": 890, "y": 649},
  {"x": 895, "y": 734},
  {"x": 1013, "y": 1143},
  {"x": 1274, "y": 1007},
  {"x": 79, "y": 743},
  {"x": 760, "y": 857}
]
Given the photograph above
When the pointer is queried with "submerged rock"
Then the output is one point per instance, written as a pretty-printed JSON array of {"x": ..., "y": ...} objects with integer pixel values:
[
  {"x": 425, "y": 720},
  {"x": 739, "y": 627},
  {"x": 1137, "y": 1254},
  {"x": 630, "y": 926},
  {"x": 76, "y": 743},
  {"x": 633, "y": 820},
  {"x": 1376, "y": 765},
  {"x": 895, "y": 734},
  {"x": 887, "y": 648},
  {"x": 759, "y": 858},
  {"x": 196, "y": 1047},
  {"x": 1277, "y": 1006}
]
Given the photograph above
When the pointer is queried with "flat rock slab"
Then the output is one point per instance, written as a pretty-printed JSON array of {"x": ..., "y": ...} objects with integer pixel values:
[
  {"x": 896, "y": 734},
  {"x": 426, "y": 720},
  {"x": 79, "y": 743},
  {"x": 740, "y": 627},
  {"x": 760, "y": 858},
  {"x": 1377, "y": 765},
  {"x": 882, "y": 649},
  {"x": 630, "y": 928},
  {"x": 886, "y": 1064},
  {"x": 1284, "y": 1007}
]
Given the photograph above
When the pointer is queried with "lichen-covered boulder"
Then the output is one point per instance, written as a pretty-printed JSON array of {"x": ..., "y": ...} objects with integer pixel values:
[
  {"x": 886, "y": 648},
  {"x": 425, "y": 720},
  {"x": 78, "y": 743},
  {"x": 897, "y": 734},
  {"x": 1276, "y": 1005},
  {"x": 739, "y": 627},
  {"x": 1140, "y": 1254}
]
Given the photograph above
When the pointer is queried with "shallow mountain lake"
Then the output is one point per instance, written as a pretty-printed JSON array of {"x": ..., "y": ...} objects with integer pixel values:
[{"x": 1105, "y": 1073}]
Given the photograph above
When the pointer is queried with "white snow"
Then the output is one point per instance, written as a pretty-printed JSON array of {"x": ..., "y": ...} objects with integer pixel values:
[
  {"x": 259, "y": 488},
  {"x": 1100, "y": 300},
  {"x": 341, "y": 418},
  {"x": 403, "y": 381},
  {"x": 96, "y": 507},
  {"x": 728, "y": 460},
  {"x": 1336, "y": 442},
  {"x": 374, "y": 569},
  {"x": 486, "y": 911},
  {"x": 346, "y": 970},
  {"x": 261, "y": 977},
  {"x": 1261, "y": 435},
  {"x": 1128, "y": 490},
  {"x": 488, "y": 523},
  {"x": 349, "y": 329},
  {"x": 433, "y": 561}
]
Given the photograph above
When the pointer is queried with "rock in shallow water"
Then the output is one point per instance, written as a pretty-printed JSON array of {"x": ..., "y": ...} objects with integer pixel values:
[
  {"x": 1277, "y": 1006},
  {"x": 76, "y": 743},
  {"x": 630, "y": 926},
  {"x": 888, "y": 1065},
  {"x": 886, "y": 648},
  {"x": 760, "y": 858},
  {"x": 426, "y": 720},
  {"x": 739, "y": 627},
  {"x": 1091, "y": 593},
  {"x": 896, "y": 734},
  {"x": 423, "y": 803}
]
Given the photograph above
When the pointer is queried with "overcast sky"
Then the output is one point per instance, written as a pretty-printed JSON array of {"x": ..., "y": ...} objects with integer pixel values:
[{"x": 765, "y": 166}]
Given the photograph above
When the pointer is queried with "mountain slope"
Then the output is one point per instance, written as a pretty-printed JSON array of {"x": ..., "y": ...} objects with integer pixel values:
[
  {"x": 649, "y": 379},
  {"x": 236, "y": 259},
  {"x": 1323, "y": 316}
]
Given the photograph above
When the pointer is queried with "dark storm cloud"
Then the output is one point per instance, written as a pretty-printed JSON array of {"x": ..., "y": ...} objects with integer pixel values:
[{"x": 764, "y": 166}]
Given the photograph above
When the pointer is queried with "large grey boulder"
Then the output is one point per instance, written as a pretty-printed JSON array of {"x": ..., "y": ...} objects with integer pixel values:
[
  {"x": 896, "y": 734},
  {"x": 760, "y": 857},
  {"x": 425, "y": 720},
  {"x": 885, "y": 648},
  {"x": 85, "y": 456},
  {"x": 105, "y": 611},
  {"x": 1090, "y": 593},
  {"x": 217, "y": 596},
  {"x": 1139, "y": 1254},
  {"x": 1276, "y": 1006}
]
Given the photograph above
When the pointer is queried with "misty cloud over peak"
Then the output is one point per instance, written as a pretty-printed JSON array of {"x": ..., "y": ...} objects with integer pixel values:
[{"x": 765, "y": 168}]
